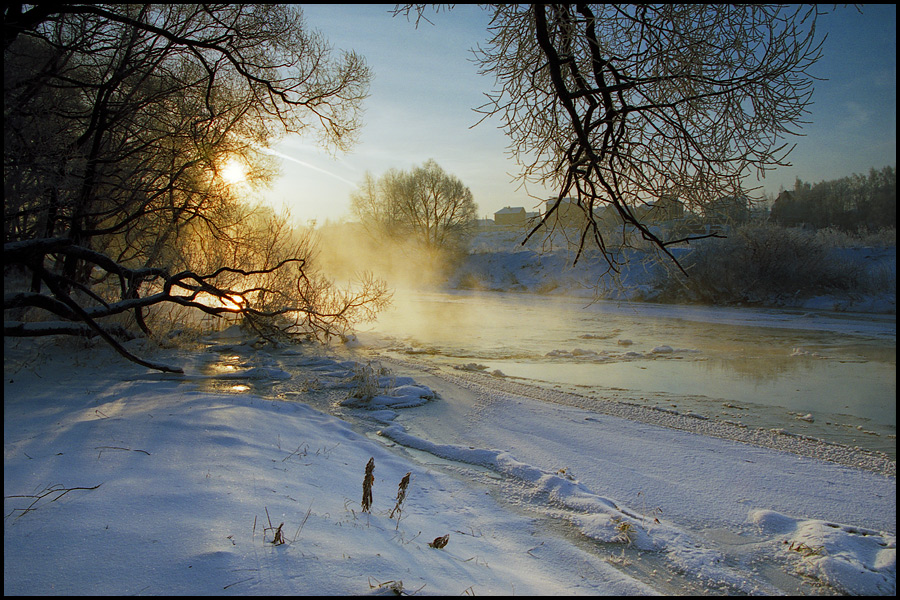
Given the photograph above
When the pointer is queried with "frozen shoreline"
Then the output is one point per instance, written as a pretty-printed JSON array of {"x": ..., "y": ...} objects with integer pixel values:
[
  {"x": 809, "y": 447},
  {"x": 829, "y": 376}
]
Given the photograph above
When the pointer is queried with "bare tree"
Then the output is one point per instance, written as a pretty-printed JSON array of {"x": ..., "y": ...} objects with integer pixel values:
[
  {"x": 118, "y": 122},
  {"x": 436, "y": 208},
  {"x": 622, "y": 105},
  {"x": 372, "y": 202}
]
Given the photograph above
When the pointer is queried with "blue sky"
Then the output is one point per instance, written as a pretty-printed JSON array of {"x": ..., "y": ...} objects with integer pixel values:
[{"x": 425, "y": 86}]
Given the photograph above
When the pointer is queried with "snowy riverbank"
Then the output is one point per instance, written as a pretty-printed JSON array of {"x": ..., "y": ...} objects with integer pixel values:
[
  {"x": 498, "y": 262},
  {"x": 118, "y": 480}
]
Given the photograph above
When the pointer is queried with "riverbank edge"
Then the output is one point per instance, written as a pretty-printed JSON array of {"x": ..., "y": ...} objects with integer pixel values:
[{"x": 805, "y": 446}]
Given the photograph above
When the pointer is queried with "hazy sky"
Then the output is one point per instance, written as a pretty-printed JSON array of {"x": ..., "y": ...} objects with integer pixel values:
[{"x": 426, "y": 86}]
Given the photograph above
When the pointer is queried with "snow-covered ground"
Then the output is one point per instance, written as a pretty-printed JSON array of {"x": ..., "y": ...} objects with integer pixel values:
[
  {"x": 118, "y": 480},
  {"x": 180, "y": 489},
  {"x": 121, "y": 480}
]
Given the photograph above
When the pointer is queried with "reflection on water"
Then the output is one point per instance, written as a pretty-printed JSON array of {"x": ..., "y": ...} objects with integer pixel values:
[{"x": 828, "y": 375}]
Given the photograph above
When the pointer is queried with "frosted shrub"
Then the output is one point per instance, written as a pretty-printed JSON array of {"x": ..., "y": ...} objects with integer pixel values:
[
  {"x": 759, "y": 263},
  {"x": 881, "y": 278},
  {"x": 884, "y": 238},
  {"x": 365, "y": 381},
  {"x": 836, "y": 238}
]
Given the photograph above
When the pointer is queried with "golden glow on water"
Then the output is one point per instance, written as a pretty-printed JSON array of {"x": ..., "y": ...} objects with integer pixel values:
[{"x": 725, "y": 366}]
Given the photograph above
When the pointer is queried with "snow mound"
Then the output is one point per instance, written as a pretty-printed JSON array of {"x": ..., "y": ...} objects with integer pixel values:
[
  {"x": 851, "y": 559},
  {"x": 597, "y": 517},
  {"x": 403, "y": 396}
]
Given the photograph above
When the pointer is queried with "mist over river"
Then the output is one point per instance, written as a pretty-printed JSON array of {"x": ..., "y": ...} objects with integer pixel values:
[{"x": 831, "y": 376}]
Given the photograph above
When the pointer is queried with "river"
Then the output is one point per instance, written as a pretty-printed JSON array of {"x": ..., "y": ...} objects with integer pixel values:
[{"x": 826, "y": 375}]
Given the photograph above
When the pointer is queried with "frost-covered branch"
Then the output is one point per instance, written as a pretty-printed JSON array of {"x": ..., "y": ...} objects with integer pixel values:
[{"x": 312, "y": 308}]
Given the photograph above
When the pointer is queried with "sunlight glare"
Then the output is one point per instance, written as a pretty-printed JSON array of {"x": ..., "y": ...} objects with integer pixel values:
[{"x": 234, "y": 172}]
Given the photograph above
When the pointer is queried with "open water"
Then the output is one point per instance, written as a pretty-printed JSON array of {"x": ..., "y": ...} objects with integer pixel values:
[{"x": 825, "y": 375}]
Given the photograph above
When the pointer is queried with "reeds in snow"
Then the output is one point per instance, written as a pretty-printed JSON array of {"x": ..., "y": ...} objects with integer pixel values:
[
  {"x": 368, "y": 481},
  {"x": 401, "y": 496}
]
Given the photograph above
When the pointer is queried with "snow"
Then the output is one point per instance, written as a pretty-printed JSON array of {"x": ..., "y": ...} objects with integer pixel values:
[
  {"x": 180, "y": 490},
  {"x": 186, "y": 477},
  {"x": 859, "y": 561},
  {"x": 122, "y": 480},
  {"x": 499, "y": 262}
]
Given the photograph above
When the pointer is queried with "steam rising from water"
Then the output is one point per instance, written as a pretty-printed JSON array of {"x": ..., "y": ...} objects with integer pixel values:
[{"x": 345, "y": 250}]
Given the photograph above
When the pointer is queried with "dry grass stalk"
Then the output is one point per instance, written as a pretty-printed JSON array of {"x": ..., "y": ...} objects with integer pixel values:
[
  {"x": 365, "y": 381},
  {"x": 401, "y": 496},
  {"x": 439, "y": 542},
  {"x": 53, "y": 489},
  {"x": 626, "y": 532},
  {"x": 368, "y": 481},
  {"x": 302, "y": 523},
  {"x": 395, "y": 586},
  {"x": 278, "y": 538}
]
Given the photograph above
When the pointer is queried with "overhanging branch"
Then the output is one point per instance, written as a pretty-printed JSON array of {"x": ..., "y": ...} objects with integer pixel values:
[{"x": 186, "y": 288}]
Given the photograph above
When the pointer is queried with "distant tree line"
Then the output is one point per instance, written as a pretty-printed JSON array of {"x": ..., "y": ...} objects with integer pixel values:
[{"x": 857, "y": 202}]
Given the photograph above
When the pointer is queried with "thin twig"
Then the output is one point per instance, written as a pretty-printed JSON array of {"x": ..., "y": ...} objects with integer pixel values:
[
  {"x": 44, "y": 493},
  {"x": 119, "y": 448},
  {"x": 302, "y": 523},
  {"x": 236, "y": 582}
]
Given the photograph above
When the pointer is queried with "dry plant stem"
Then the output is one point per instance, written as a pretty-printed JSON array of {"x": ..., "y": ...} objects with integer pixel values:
[
  {"x": 298, "y": 452},
  {"x": 368, "y": 481},
  {"x": 394, "y": 585},
  {"x": 401, "y": 496},
  {"x": 102, "y": 448},
  {"x": 278, "y": 538},
  {"x": 302, "y": 523},
  {"x": 236, "y": 582}
]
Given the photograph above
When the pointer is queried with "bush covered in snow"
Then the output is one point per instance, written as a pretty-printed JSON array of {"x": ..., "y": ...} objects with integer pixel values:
[
  {"x": 756, "y": 264},
  {"x": 770, "y": 264}
]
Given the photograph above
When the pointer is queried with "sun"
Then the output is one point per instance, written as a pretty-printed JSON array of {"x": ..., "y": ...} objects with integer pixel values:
[{"x": 234, "y": 171}]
